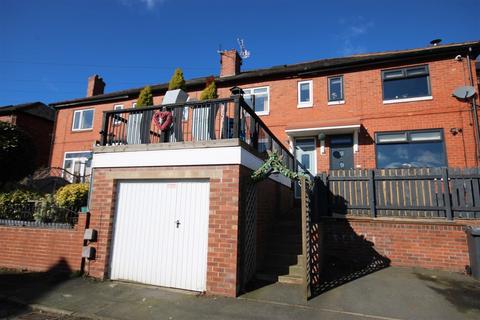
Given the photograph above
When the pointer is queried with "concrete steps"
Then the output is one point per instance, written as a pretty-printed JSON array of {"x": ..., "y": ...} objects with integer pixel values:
[{"x": 284, "y": 261}]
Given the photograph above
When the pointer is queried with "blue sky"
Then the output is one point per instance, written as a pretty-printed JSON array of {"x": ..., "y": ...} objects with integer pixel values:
[{"x": 49, "y": 48}]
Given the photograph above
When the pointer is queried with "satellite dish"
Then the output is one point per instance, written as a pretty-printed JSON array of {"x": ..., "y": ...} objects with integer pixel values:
[{"x": 464, "y": 92}]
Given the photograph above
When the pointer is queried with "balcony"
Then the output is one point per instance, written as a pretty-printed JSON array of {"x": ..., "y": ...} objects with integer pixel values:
[{"x": 194, "y": 124}]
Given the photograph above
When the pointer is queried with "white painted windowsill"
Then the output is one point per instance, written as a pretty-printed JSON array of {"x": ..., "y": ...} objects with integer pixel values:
[
  {"x": 407, "y": 100},
  {"x": 334, "y": 103},
  {"x": 306, "y": 105}
]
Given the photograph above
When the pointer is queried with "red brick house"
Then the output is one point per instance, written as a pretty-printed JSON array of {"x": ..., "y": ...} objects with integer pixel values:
[
  {"x": 351, "y": 104},
  {"x": 178, "y": 208},
  {"x": 37, "y": 120}
]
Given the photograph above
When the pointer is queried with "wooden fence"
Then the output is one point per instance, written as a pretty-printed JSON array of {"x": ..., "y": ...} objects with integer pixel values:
[{"x": 441, "y": 193}]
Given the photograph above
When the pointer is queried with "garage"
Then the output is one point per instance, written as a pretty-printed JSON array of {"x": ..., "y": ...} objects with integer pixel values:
[{"x": 160, "y": 233}]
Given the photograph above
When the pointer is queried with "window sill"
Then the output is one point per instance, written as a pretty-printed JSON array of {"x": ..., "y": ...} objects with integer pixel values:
[
  {"x": 408, "y": 100},
  {"x": 263, "y": 113},
  {"x": 306, "y": 105},
  {"x": 82, "y": 130},
  {"x": 334, "y": 103}
]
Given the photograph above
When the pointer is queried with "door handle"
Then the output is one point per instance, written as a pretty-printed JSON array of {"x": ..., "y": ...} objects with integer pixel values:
[{"x": 177, "y": 223}]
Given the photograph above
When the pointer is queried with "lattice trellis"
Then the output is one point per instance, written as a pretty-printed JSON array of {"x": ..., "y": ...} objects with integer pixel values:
[{"x": 250, "y": 233}]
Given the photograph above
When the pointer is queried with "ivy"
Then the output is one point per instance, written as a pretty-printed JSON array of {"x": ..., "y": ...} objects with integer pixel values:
[{"x": 274, "y": 164}]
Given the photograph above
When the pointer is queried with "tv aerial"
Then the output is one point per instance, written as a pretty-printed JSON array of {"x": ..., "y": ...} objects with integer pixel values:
[{"x": 244, "y": 53}]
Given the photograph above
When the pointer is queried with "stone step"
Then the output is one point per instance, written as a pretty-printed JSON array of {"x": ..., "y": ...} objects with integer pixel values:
[
  {"x": 282, "y": 279},
  {"x": 285, "y": 270},
  {"x": 283, "y": 259}
]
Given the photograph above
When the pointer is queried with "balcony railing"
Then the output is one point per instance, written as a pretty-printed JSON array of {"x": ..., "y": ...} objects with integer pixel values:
[{"x": 217, "y": 119}]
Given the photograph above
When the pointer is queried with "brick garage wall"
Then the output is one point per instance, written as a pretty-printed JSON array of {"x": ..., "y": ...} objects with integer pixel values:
[
  {"x": 427, "y": 244},
  {"x": 223, "y": 218},
  {"x": 42, "y": 249}
]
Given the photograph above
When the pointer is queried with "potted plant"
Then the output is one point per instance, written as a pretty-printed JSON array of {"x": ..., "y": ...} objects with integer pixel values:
[
  {"x": 138, "y": 126},
  {"x": 176, "y": 94}
]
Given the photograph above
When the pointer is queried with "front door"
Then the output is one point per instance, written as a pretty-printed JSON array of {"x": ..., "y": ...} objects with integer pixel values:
[
  {"x": 341, "y": 152},
  {"x": 305, "y": 155}
]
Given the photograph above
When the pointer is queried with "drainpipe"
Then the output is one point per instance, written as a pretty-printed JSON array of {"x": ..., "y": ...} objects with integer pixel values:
[{"x": 474, "y": 109}]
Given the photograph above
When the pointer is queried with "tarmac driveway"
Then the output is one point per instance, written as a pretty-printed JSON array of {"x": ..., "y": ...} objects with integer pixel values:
[{"x": 391, "y": 293}]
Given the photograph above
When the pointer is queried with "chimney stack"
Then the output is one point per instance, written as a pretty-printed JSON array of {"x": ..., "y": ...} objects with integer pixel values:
[
  {"x": 95, "y": 86},
  {"x": 230, "y": 63}
]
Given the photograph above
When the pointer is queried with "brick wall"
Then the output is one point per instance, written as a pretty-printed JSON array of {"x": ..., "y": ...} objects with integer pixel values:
[
  {"x": 363, "y": 100},
  {"x": 42, "y": 249},
  {"x": 223, "y": 218},
  {"x": 426, "y": 244}
]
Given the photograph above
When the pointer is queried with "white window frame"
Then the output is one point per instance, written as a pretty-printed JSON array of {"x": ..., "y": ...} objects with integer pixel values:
[
  {"x": 267, "y": 107},
  {"x": 134, "y": 104},
  {"x": 117, "y": 107},
  {"x": 78, "y": 158},
  {"x": 81, "y": 117},
  {"x": 309, "y": 103}
]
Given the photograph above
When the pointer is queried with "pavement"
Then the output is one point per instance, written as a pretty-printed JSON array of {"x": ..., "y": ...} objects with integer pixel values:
[{"x": 389, "y": 294}]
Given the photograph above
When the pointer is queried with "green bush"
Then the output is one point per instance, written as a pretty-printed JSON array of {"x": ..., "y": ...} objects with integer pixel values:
[
  {"x": 177, "y": 81},
  {"x": 14, "y": 204},
  {"x": 145, "y": 98},
  {"x": 210, "y": 91},
  {"x": 17, "y": 153},
  {"x": 72, "y": 196}
]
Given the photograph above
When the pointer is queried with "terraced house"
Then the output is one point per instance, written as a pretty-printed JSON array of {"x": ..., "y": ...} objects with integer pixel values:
[{"x": 173, "y": 202}]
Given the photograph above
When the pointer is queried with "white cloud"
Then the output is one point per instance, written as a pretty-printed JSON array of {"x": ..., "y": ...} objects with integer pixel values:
[
  {"x": 352, "y": 30},
  {"x": 150, "y": 4}
]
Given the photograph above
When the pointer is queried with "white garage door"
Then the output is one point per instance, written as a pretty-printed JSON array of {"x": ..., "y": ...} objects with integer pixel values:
[{"x": 160, "y": 233}]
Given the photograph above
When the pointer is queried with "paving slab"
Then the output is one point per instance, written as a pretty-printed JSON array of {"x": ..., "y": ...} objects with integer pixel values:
[{"x": 389, "y": 294}]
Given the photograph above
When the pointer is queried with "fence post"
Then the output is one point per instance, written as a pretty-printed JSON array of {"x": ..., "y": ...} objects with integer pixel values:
[
  {"x": 236, "y": 116},
  {"x": 304, "y": 201},
  {"x": 446, "y": 194},
  {"x": 104, "y": 133},
  {"x": 371, "y": 193}
]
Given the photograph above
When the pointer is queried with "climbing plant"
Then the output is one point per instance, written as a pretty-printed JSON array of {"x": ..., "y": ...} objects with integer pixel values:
[{"x": 274, "y": 164}]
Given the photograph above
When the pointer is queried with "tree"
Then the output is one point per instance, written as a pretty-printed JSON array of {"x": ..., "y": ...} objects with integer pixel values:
[
  {"x": 17, "y": 153},
  {"x": 177, "y": 81},
  {"x": 210, "y": 91},
  {"x": 145, "y": 98}
]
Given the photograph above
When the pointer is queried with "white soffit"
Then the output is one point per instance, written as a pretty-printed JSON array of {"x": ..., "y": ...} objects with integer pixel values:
[{"x": 182, "y": 157}]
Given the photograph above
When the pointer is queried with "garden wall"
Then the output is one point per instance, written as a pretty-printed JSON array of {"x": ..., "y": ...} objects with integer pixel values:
[
  {"x": 408, "y": 243},
  {"x": 42, "y": 248}
]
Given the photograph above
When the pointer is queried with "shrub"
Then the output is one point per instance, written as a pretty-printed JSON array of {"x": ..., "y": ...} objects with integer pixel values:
[
  {"x": 16, "y": 204},
  {"x": 210, "y": 91},
  {"x": 47, "y": 211},
  {"x": 177, "y": 81},
  {"x": 17, "y": 153},
  {"x": 72, "y": 196},
  {"x": 145, "y": 98}
]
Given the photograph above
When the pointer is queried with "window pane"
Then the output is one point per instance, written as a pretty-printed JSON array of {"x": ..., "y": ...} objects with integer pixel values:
[
  {"x": 335, "y": 89},
  {"x": 391, "y": 137},
  {"x": 416, "y": 71},
  {"x": 260, "y": 90},
  {"x": 305, "y": 161},
  {"x": 425, "y": 136},
  {"x": 393, "y": 74},
  {"x": 412, "y": 155},
  {"x": 406, "y": 88},
  {"x": 87, "y": 119},
  {"x": 118, "y": 107},
  {"x": 72, "y": 155},
  {"x": 304, "y": 92},
  {"x": 261, "y": 101},
  {"x": 76, "y": 120}
]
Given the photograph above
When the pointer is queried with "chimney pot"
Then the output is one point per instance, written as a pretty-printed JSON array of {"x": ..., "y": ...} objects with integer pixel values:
[
  {"x": 230, "y": 62},
  {"x": 96, "y": 86}
]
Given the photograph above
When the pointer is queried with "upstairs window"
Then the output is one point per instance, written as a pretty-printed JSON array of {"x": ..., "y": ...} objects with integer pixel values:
[
  {"x": 410, "y": 149},
  {"x": 305, "y": 94},
  {"x": 258, "y": 99},
  {"x": 406, "y": 83},
  {"x": 335, "y": 89},
  {"x": 117, "y": 107},
  {"x": 83, "y": 120}
]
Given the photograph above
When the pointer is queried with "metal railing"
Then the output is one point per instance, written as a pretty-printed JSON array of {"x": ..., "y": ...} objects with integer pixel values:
[
  {"x": 217, "y": 119},
  {"x": 37, "y": 214}
]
